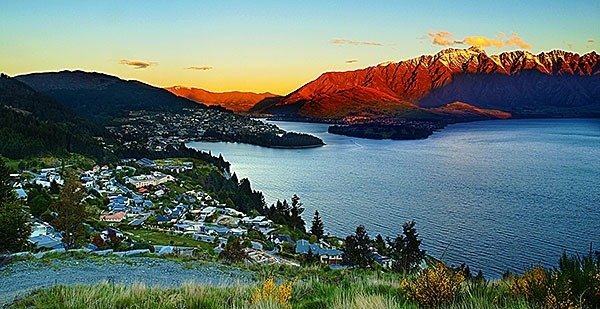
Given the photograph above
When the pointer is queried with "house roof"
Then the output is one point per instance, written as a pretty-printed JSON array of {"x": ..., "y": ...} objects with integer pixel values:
[{"x": 303, "y": 246}]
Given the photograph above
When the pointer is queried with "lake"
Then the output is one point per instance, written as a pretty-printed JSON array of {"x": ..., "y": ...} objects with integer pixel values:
[{"x": 496, "y": 195}]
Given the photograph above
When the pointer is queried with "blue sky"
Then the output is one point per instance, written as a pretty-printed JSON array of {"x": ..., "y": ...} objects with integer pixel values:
[{"x": 272, "y": 46}]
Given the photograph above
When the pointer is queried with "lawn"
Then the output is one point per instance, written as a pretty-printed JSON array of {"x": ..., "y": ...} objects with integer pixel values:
[{"x": 162, "y": 238}]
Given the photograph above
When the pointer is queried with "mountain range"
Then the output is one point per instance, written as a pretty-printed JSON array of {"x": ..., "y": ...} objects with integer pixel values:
[
  {"x": 236, "y": 101},
  {"x": 455, "y": 84},
  {"x": 103, "y": 97}
]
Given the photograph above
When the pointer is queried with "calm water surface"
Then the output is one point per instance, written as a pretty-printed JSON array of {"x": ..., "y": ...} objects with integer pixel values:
[{"x": 497, "y": 195}]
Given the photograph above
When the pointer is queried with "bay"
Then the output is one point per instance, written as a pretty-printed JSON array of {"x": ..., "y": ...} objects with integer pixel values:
[{"x": 497, "y": 195}]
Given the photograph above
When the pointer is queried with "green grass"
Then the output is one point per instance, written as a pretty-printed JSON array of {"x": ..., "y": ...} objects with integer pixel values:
[
  {"x": 369, "y": 293},
  {"x": 161, "y": 238}
]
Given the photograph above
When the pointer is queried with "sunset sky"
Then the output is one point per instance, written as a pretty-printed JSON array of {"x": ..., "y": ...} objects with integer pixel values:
[{"x": 274, "y": 46}]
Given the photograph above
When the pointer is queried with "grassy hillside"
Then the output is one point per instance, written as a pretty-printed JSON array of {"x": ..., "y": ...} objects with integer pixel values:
[{"x": 574, "y": 284}]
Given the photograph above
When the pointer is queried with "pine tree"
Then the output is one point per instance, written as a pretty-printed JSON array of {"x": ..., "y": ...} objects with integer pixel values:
[
  {"x": 357, "y": 250},
  {"x": 317, "y": 226},
  {"x": 379, "y": 245},
  {"x": 14, "y": 222},
  {"x": 296, "y": 211},
  {"x": 405, "y": 251}
]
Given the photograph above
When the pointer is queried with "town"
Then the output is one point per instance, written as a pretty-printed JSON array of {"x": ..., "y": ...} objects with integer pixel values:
[
  {"x": 147, "y": 207},
  {"x": 156, "y": 131}
]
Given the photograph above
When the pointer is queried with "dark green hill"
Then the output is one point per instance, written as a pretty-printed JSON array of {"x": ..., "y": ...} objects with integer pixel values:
[
  {"x": 34, "y": 124},
  {"x": 104, "y": 97}
]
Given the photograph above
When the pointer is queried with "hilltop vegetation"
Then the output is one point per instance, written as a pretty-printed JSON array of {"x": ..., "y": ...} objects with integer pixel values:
[
  {"x": 574, "y": 284},
  {"x": 34, "y": 124}
]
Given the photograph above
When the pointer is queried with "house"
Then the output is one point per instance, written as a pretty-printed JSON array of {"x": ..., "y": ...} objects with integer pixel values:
[
  {"x": 117, "y": 217},
  {"x": 111, "y": 233},
  {"x": 326, "y": 256},
  {"x": 21, "y": 194},
  {"x": 154, "y": 179},
  {"x": 146, "y": 162},
  {"x": 208, "y": 211},
  {"x": 41, "y": 228},
  {"x": 280, "y": 239},
  {"x": 382, "y": 260},
  {"x": 46, "y": 241}
]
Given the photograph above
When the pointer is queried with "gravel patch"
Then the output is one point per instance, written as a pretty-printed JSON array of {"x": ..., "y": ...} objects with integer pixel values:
[{"x": 19, "y": 278}]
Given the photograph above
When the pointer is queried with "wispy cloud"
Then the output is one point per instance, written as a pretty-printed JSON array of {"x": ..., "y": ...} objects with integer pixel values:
[
  {"x": 515, "y": 39},
  {"x": 199, "y": 68},
  {"x": 137, "y": 63},
  {"x": 351, "y": 42},
  {"x": 441, "y": 38},
  {"x": 569, "y": 45},
  {"x": 446, "y": 38},
  {"x": 352, "y": 61}
]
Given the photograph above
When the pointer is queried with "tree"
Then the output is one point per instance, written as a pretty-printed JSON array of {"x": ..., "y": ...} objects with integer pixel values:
[
  {"x": 405, "y": 251},
  {"x": 38, "y": 205},
  {"x": 14, "y": 222},
  {"x": 295, "y": 214},
  {"x": 357, "y": 250},
  {"x": 317, "y": 226},
  {"x": 233, "y": 251},
  {"x": 379, "y": 245},
  {"x": 71, "y": 212}
]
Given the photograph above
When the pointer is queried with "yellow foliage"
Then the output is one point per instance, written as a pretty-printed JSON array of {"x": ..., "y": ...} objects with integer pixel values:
[
  {"x": 559, "y": 296},
  {"x": 532, "y": 285},
  {"x": 434, "y": 286},
  {"x": 270, "y": 292}
]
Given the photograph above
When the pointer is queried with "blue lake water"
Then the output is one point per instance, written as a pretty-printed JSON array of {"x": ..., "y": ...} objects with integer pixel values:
[{"x": 496, "y": 195}]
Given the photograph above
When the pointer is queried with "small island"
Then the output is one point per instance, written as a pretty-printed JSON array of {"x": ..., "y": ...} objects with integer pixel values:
[{"x": 406, "y": 130}]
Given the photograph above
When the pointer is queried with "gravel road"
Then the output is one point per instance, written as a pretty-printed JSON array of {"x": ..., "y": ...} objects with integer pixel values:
[{"x": 19, "y": 278}]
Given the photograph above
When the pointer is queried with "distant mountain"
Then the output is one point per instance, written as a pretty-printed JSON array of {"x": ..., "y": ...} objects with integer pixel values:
[
  {"x": 236, "y": 101},
  {"x": 103, "y": 97},
  {"x": 33, "y": 124},
  {"x": 553, "y": 84}
]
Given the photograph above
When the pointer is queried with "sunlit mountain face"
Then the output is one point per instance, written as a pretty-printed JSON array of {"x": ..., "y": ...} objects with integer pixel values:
[
  {"x": 237, "y": 101},
  {"x": 518, "y": 83}
]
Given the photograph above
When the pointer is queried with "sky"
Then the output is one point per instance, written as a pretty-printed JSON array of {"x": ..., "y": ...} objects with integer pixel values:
[{"x": 274, "y": 46}]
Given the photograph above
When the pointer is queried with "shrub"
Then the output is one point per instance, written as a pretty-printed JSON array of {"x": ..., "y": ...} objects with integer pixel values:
[
  {"x": 532, "y": 285},
  {"x": 269, "y": 292},
  {"x": 433, "y": 286}
]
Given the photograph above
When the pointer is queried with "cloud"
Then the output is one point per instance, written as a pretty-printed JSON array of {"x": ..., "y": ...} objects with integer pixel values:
[
  {"x": 137, "y": 63},
  {"x": 351, "y": 42},
  {"x": 199, "y": 68},
  {"x": 591, "y": 41},
  {"x": 445, "y": 38},
  {"x": 352, "y": 61},
  {"x": 441, "y": 38},
  {"x": 482, "y": 41},
  {"x": 516, "y": 40}
]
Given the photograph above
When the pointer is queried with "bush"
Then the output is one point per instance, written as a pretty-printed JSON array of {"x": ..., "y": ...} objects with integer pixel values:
[
  {"x": 269, "y": 292},
  {"x": 532, "y": 285},
  {"x": 433, "y": 286}
]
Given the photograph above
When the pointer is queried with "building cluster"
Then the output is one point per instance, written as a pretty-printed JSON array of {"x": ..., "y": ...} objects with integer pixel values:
[
  {"x": 154, "y": 201},
  {"x": 157, "y": 131}
]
